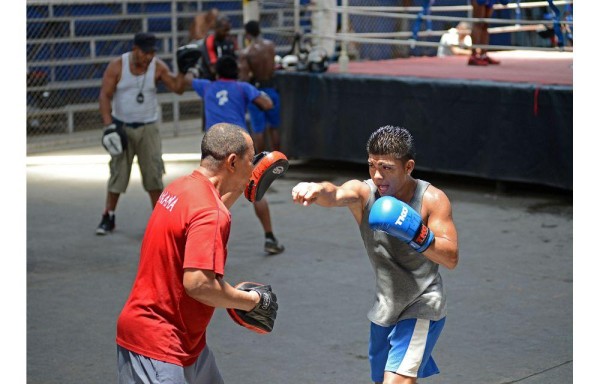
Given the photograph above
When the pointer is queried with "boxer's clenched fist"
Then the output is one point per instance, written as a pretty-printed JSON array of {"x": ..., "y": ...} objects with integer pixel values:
[{"x": 306, "y": 193}]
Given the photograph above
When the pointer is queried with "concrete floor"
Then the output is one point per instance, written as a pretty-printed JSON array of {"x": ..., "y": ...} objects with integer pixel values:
[{"x": 510, "y": 300}]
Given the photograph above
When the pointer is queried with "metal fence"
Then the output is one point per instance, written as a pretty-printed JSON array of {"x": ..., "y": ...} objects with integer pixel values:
[{"x": 70, "y": 42}]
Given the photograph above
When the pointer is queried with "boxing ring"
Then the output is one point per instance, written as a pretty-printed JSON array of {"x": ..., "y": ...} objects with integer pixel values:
[
  {"x": 518, "y": 66},
  {"x": 511, "y": 122}
]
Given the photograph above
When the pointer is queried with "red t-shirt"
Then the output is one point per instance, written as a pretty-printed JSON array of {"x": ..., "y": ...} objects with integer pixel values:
[{"x": 188, "y": 228}]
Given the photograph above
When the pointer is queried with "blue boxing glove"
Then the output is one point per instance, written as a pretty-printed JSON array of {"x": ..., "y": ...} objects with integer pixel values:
[{"x": 398, "y": 219}]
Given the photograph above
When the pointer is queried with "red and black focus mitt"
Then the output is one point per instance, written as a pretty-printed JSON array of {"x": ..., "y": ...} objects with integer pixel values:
[
  {"x": 268, "y": 166},
  {"x": 262, "y": 317}
]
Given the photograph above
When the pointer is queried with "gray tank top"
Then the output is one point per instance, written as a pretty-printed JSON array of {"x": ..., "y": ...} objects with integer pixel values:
[
  {"x": 125, "y": 106},
  {"x": 408, "y": 285}
]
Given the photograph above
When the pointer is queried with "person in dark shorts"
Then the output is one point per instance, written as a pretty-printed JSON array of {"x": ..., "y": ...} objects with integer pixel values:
[{"x": 257, "y": 66}]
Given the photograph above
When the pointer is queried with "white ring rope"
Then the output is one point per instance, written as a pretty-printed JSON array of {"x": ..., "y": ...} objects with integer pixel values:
[
  {"x": 353, "y": 11},
  {"x": 413, "y": 43},
  {"x": 452, "y": 8},
  {"x": 427, "y": 33},
  {"x": 392, "y": 38},
  {"x": 358, "y": 38}
]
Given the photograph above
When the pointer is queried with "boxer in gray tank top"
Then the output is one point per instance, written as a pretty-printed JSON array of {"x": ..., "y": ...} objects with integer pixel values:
[
  {"x": 408, "y": 284},
  {"x": 409, "y": 309}
]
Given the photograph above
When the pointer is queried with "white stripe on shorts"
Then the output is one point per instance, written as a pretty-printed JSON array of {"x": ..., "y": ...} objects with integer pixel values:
[{"x": 416, "y": 348}]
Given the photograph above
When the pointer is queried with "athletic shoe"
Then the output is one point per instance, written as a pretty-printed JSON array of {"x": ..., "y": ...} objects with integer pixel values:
[
  {"x": 106, "y": 225},
  {"x": 272, "y": 246},
  {"x": 490, "y": 60},
  {"x": 477, "y": 60}
]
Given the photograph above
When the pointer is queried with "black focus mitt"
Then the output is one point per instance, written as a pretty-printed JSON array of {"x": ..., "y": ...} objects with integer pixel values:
[
  {"x": 187, "y": 57},
  {"x": 268, "y": 166},
  {"x": 262, "y": 317}
]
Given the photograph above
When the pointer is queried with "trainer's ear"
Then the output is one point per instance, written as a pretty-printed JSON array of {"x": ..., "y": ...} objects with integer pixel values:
[{"x": 231, "y": 162}]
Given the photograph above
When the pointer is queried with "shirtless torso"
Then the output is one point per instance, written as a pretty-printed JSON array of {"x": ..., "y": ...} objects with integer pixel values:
[{"x": 257, "y": 61}]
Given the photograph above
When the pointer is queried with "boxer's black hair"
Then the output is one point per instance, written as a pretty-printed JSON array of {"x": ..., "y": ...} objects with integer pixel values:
[
  {"x": 390, "y": 140},
  {"x": 227, "y": 67},
  {"x": 252, "y": 28}
]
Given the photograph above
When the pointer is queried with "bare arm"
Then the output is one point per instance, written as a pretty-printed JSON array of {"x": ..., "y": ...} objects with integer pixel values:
[
  {"x": 175, "y": 83},
  {"x": 245, "y": 74},
  {"x": 197, "y": 28},
  {"x": 109, "y": 85},
  {"x": 352, "y": 194},
  {"x": 187, "y": 80},
  {"x": 204, "y": 286},
  {"x": 444, "y": 250},
  {"x": 263, "y": 102},
  {"x": 460, "y": 51}
]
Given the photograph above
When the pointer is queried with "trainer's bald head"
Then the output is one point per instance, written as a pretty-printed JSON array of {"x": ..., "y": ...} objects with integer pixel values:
[{"x": 220, "y": 141}]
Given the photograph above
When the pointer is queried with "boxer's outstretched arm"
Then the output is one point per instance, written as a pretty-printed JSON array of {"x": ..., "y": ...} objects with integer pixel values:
[
  {"x": 353, "y": 194},
  {"x": 327, "y": 194}
]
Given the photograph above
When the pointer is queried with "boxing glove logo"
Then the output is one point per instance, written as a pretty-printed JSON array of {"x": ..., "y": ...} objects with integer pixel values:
[
  {"x": 422, "y": 236},
  {"x": 266, "y": 301},
  {"x": 278, "y": 170},
  {"x": 402, "y": 216}
]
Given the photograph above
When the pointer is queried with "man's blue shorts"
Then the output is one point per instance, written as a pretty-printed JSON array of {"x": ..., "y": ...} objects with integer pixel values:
[
  {"x": 259, "y": 118},
  {"x": 404, "y": 348}
]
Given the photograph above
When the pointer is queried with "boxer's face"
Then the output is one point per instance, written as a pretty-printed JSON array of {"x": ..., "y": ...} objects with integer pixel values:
[{"x": 388, "y": 173}]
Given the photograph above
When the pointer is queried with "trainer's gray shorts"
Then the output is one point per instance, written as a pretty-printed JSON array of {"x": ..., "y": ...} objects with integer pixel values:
[{"x": 134, "y": 369}]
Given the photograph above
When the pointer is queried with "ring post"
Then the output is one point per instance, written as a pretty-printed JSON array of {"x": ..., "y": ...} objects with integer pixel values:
[{"x": 343, "y": 59}]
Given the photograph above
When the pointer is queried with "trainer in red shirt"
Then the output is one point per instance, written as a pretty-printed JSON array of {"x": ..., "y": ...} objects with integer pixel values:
[{"x": 162, "y": 327}]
